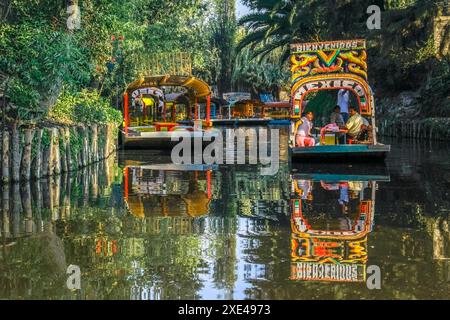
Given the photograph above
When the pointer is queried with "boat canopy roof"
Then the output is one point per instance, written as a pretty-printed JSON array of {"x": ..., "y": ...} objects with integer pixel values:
[
  {"x": 331, "y": 65},
  {"x": 199, "y": 87},
  {"x": 278, "y": 104}
]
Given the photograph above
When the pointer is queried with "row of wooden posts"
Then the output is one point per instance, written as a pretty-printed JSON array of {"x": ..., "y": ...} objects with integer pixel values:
[{"x": 34, "y": 152}]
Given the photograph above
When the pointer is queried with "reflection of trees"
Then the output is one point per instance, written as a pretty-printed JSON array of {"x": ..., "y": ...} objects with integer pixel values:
[{"x": 248, "y": 193}]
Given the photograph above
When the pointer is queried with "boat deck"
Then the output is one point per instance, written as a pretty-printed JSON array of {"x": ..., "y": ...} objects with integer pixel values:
[
  {"x": 163, "y": 139},
  {"x": 240, "y": 122}
]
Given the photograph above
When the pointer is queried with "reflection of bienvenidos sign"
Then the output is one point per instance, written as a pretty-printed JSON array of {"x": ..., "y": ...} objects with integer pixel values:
[
  {"x": 329, "y": 45},
  {"x": 328, "y": 272}
]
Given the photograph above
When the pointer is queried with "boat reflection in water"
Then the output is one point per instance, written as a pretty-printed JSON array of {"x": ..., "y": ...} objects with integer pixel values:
[
  {"x": 168, "y": 190},
  {"x": 331, "y": 219}
]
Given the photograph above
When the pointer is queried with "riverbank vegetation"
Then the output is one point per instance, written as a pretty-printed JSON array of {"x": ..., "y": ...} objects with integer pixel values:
[{"x": 45, "y": 67}]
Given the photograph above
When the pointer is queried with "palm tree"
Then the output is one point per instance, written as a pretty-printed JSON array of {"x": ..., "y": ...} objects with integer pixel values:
[{"x": 278, "y": 23}]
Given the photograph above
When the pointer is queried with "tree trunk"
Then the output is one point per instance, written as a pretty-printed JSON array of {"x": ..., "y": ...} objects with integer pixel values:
[
  {"x": 63, "y": 149},
  {"x": 5, "y": 157},
  {"x": 26, "y": 157},
  {"x": 47, "y": 168},
  {"x": 16, "y": 156},
  {"x": 94, "y": 139},
  {"x": 68, "y": 150},
  {"x": 56, "y": 153},
  {"x": 37, "y": 162}
]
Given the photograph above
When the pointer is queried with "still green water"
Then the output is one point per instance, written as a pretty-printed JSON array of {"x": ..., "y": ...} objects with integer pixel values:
[{"x": 140, "y": 231}]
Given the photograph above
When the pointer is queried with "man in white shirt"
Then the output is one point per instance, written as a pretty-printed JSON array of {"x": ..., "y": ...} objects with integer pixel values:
[{"x": 343, "y": 101}]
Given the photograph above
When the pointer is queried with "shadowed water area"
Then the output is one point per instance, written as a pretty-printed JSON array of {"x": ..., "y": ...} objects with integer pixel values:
[{"x": 141, "y": 230}]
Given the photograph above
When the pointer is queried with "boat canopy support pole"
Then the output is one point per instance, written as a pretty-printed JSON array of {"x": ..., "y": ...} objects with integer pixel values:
[
  {"x": 374, "y": 126},
  {"x": 125, "y": 111},
  {"x": 196, "y": 109},
  {"x": 208, "y": 109}
]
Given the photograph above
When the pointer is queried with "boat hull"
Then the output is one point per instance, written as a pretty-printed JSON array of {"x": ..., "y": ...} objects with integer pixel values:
[
  {"x": 341, "y": 152},
  {"x": 163, "y": 140}
]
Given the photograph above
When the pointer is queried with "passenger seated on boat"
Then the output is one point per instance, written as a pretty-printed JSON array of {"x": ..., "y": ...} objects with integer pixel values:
[
  {"x": 355, "y": 124},
  {"x": 336, "y": 116},
  {"x": 303, "y": 137}
]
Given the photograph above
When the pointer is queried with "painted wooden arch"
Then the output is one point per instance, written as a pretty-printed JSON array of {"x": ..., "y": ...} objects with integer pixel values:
[{"x": 350, "y": 82}]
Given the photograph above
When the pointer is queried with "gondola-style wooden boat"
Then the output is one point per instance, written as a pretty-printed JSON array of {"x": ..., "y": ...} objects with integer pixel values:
[
  {"x": 277, "y": 112},
  {"x": 243, "y": 113},
  {"x": 333, "y": 65},
  {"x": 152, "y": 120}
]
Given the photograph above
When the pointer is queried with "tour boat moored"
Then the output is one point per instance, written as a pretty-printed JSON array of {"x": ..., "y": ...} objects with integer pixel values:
[
  {"x": 335, "y": 65},
  {"x": 158, "y": 108}
]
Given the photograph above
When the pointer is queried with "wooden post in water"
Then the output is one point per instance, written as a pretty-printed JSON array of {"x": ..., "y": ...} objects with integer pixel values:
[
  {"x": 68, "y": 150},
  {"x": 25, "y": 170},
  {"x": 37, "y": 161},
  {"x": 47, "y": 169},
  {"x": 56, "y": 153},
  {"x": 5, "y": 157},
  {"x": 16, "y": 153},
  {"x": 94, "y": 139},
  {"x": 63, "y": 147}
]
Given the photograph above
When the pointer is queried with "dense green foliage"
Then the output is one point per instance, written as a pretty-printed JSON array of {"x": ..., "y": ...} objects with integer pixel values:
[
  {"x": 401, "y": 54},
  {"x": 84, "y": 107},
  {"x": 118, "y": 38},
  {"x": 41, "y": 56}
]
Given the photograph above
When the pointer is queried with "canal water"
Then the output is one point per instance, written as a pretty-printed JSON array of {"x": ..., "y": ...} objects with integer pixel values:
[{"x": 139, "y": 229}]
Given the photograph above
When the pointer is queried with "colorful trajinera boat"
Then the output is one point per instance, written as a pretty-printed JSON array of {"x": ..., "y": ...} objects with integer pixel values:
[
  {"x": 333, "y": 65},
  {"x": 156, "y": 108},
  {"x": 242, "y": 112},
  {"x": 332, "y": 217},
  {"x": 277, "y": 112}
]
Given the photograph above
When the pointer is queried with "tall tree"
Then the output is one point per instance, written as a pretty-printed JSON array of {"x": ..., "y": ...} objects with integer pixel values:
[{"x": 223, "y": 38}]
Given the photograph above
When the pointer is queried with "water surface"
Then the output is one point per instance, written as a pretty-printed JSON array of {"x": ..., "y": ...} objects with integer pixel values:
[{"x": 140, "y": 231}]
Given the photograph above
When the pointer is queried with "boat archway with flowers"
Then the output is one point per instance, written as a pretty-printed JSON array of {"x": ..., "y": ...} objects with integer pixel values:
[{"x": 333, "y": 65}]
